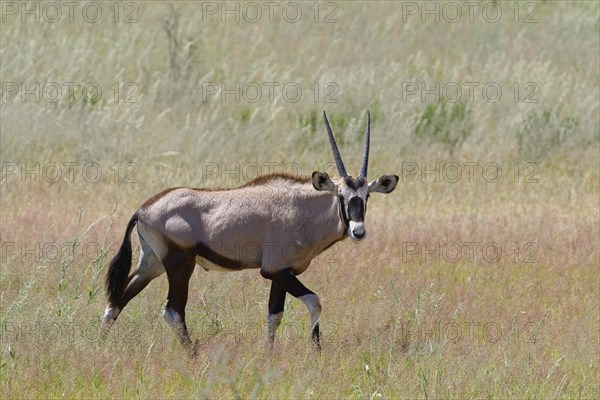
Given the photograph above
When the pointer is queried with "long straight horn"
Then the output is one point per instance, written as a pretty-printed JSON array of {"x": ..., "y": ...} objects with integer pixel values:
[
  {"x": 365, "y": 164},
  {"x": 336, "y": 153}
]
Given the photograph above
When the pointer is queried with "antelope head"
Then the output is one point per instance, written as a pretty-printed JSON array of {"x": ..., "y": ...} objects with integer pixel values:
[{"x": 353, "y": 193}]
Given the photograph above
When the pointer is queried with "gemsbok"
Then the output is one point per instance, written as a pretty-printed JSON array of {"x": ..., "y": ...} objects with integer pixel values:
[{"x": 280, "y": 221}]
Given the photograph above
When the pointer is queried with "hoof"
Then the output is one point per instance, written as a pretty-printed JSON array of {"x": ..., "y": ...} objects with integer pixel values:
[{"x": 193, "y": 349}]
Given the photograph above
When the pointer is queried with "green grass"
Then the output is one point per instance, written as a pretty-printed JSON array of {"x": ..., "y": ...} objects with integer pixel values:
[{"x": 396, "y": 324}]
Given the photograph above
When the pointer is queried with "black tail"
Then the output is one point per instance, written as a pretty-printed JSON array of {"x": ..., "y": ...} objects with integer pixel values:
[{"x": 118, "y": 271}]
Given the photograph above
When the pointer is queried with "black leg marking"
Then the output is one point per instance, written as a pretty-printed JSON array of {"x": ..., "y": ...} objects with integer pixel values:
[
  {"x": 315, "y": 336},
  {"x": 290, "y": 283},
  {"x": 276, "y": 298},
  {"x": 179, "y": 267},
  {"x": 148, "y": 269},
  {"x": 276, "y": 304}
]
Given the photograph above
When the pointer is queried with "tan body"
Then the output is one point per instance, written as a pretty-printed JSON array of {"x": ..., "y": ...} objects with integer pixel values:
[{"x": 273, "y": 223}]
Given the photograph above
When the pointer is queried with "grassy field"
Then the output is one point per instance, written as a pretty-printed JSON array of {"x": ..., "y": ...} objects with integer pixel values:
[{"x": 480, "y": 275}]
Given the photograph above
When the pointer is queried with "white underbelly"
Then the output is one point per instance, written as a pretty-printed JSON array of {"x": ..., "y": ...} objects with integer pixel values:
[{"x": 209, "y": 266}]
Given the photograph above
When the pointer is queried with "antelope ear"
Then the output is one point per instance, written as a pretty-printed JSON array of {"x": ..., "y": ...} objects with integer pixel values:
[
  {"x": 321, "y": 181},
  {"x": 385, "y": 184}
]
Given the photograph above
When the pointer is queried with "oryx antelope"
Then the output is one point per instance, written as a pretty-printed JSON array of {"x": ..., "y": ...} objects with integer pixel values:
[{"x": 282, "y": 222}]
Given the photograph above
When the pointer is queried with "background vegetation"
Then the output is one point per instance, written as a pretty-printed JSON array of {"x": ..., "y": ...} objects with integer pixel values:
[{"x": 397, "y": 322}]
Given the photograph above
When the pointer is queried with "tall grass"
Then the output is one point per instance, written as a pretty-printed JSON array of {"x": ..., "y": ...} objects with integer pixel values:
[{"x": 402, "y": 317}]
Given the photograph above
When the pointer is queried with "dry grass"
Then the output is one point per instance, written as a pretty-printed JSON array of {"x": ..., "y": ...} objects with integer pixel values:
[{"x": 395, "y": 324}]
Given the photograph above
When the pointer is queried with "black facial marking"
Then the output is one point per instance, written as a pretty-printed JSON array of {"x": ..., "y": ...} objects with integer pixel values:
[
  {"x": 356, "y": 209},
  {"x": 344, "y": 216},
  {"x": 354, "y": 184}
]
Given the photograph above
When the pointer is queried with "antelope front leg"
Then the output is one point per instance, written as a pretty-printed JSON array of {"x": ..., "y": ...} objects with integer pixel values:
[
  {"x": 288, "y": 281},
  {"x": 276, "y": 304}
]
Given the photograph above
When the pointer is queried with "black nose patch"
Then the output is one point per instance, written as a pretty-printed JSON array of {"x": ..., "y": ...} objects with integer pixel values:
[{"x": 356, "y": 209}]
